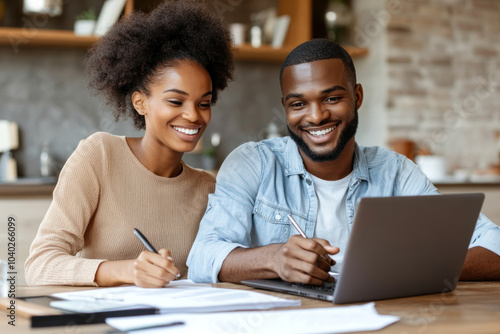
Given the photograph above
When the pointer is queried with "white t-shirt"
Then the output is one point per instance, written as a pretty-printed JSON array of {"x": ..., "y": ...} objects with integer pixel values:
[{"x": 331, "y": 223}]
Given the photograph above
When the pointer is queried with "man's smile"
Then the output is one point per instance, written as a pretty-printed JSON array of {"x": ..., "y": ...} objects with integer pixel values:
[{"x": 321, "y": 132}]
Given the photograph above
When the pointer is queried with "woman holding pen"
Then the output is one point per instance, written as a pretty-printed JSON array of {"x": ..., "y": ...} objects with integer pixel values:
[{"x": 164, "y": 70}]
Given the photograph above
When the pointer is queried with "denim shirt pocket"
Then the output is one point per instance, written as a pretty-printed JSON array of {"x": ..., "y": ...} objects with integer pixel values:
[{"x": 271, "y": 224}]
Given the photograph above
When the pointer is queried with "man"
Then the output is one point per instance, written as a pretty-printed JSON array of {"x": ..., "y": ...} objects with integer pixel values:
[{"x": 317, "y": 175}]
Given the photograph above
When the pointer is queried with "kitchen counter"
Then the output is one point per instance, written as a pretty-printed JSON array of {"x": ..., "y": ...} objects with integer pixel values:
[
  {"x": 24, "y": 187},
  {"x": 467, "y": 184},
  {"x": 28, "y": 187},
  {"x": 471, "y": 180}
]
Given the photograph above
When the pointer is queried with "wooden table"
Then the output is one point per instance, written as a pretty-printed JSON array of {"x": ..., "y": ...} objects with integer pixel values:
[{"x": 474, "y": 307}]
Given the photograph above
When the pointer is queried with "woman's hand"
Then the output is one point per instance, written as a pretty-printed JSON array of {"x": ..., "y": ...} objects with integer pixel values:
[{"x": 149, "y": 270}]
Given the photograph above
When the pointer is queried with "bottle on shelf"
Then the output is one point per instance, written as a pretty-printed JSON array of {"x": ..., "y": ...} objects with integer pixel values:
[{"x": 46, "y": 162}]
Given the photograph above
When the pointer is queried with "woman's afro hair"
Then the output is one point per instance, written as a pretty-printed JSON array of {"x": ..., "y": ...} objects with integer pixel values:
[{"x": 127, "y": 58}]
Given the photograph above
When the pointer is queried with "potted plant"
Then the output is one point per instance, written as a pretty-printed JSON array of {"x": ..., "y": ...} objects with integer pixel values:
[
  {"x": 209, "y": 159},
  {"x": 85, "y": 22}
]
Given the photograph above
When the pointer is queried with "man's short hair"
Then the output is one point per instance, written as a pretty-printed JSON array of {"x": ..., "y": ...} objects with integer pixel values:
[{"x": 318, "y": 49}]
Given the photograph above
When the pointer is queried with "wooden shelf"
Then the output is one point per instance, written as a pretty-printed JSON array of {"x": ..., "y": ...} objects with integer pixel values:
[
  {"x": 24, "y": 37},
  {"x": 267, "y": 53},
  {"x": 300, "y": 30},
  {"x": 263, "y": 53},
  {"x": 21, "y": 37},
  {"x": 356, "y": 52}
]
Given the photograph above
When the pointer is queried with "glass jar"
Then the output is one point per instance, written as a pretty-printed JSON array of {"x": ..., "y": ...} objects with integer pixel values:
[
  {"x": 48, "y": 7},
  {"x": 338, "y": 19}
]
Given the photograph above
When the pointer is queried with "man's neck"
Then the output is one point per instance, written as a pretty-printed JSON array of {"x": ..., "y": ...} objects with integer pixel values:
[{"x": 332, "y": 170}]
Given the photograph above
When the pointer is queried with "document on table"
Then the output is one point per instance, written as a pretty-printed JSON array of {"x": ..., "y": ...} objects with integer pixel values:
[
  {"x": 317, "y": 320},
  {"x": 182, "y": 296}
]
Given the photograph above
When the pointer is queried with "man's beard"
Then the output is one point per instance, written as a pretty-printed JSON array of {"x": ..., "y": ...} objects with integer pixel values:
[{"x": 344, "y": 138}]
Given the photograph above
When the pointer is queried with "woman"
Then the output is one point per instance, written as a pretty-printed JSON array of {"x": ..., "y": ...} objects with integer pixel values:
[{"x": 164, "y": 70}]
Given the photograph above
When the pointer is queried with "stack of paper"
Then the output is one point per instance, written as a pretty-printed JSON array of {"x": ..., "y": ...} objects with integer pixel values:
[
  {"x": 182, "y": 296},
  {"x": 318, "y": 320}
]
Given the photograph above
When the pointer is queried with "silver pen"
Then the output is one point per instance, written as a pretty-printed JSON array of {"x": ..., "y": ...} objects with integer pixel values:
[{"x": 297, "y": 227}]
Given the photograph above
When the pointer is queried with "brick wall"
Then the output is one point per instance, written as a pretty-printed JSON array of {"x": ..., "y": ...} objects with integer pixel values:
[{"x": 443, "y": 63}]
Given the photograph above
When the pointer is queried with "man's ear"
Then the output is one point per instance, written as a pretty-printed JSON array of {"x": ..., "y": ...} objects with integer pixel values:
[
  {"x": 139, "y": 102},
  {"x": 358, "y": 94},
  {"x": 282, "y": 102}
]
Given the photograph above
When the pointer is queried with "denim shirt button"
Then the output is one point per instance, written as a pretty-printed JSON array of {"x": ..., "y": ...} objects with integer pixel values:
[
  {"x": 278, "y": 216},
  {"x": 308, "y": 182}
]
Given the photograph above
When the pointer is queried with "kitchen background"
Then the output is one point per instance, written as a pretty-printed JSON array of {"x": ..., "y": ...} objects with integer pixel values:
[
  {"x": 44, "y": 91},
  {"x": 443, "y": 81},
  {"x": 431, "y": 80},
  {"x": 431, "y": 75}
]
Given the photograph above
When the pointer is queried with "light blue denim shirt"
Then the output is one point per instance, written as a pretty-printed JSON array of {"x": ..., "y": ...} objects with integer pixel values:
[{"x": 259, "y": 184}]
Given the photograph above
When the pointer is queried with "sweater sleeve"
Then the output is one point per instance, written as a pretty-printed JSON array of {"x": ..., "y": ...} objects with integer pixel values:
[{"x": 53, "y": 256}]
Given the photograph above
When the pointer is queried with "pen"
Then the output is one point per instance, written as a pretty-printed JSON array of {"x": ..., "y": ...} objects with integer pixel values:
[
  {"x": 297, "y": 227},
  {"x": 144, "y": 241},
  {"x": 170, "y": 324},
  {"x": 150, "y": 247}
]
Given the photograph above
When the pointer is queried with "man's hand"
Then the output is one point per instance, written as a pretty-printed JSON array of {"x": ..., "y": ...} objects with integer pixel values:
[
  {"x": 299, "y": 260},
  {"x": 304, "y": 260}
]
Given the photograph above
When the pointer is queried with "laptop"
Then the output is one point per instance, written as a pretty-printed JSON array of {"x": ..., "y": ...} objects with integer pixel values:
[{"x": 398, "y": 247}]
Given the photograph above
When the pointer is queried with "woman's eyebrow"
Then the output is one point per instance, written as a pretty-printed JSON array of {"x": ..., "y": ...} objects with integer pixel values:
[{"x": 176, "y": 91}]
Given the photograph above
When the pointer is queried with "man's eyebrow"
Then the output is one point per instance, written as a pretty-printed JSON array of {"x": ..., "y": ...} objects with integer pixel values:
[
  {"x": 325, "y": 91},
  {"x": 293, "y": 95},
  {"x": 333, "y": 89}
]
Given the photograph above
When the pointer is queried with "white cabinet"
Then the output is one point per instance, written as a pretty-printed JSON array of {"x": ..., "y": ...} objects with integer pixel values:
[{"x": 28, "y": 213}]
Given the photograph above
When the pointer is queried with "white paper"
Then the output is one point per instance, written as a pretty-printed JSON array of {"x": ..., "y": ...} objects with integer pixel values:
[
  {"x": 316, "y": 320},
  {"x": 86, "y": 306},
  {"x": 184, "y": 296}
]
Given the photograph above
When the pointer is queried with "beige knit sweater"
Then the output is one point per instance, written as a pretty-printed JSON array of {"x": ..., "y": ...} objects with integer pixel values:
[{"x": 102, "y": 194}]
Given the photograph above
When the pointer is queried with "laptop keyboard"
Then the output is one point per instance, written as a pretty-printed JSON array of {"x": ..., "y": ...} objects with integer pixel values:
[{"x": 325, "y": 287}]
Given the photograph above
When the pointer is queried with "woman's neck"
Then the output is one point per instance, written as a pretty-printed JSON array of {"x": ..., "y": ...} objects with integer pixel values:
[{"x": 157, "y": 158}]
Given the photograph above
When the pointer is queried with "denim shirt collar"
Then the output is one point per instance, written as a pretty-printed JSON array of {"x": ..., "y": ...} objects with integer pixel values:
[
  {"x": 295, "y": 164},
  {"x": 293, "y": 161},
  {"x": 360, "y": 165}
]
